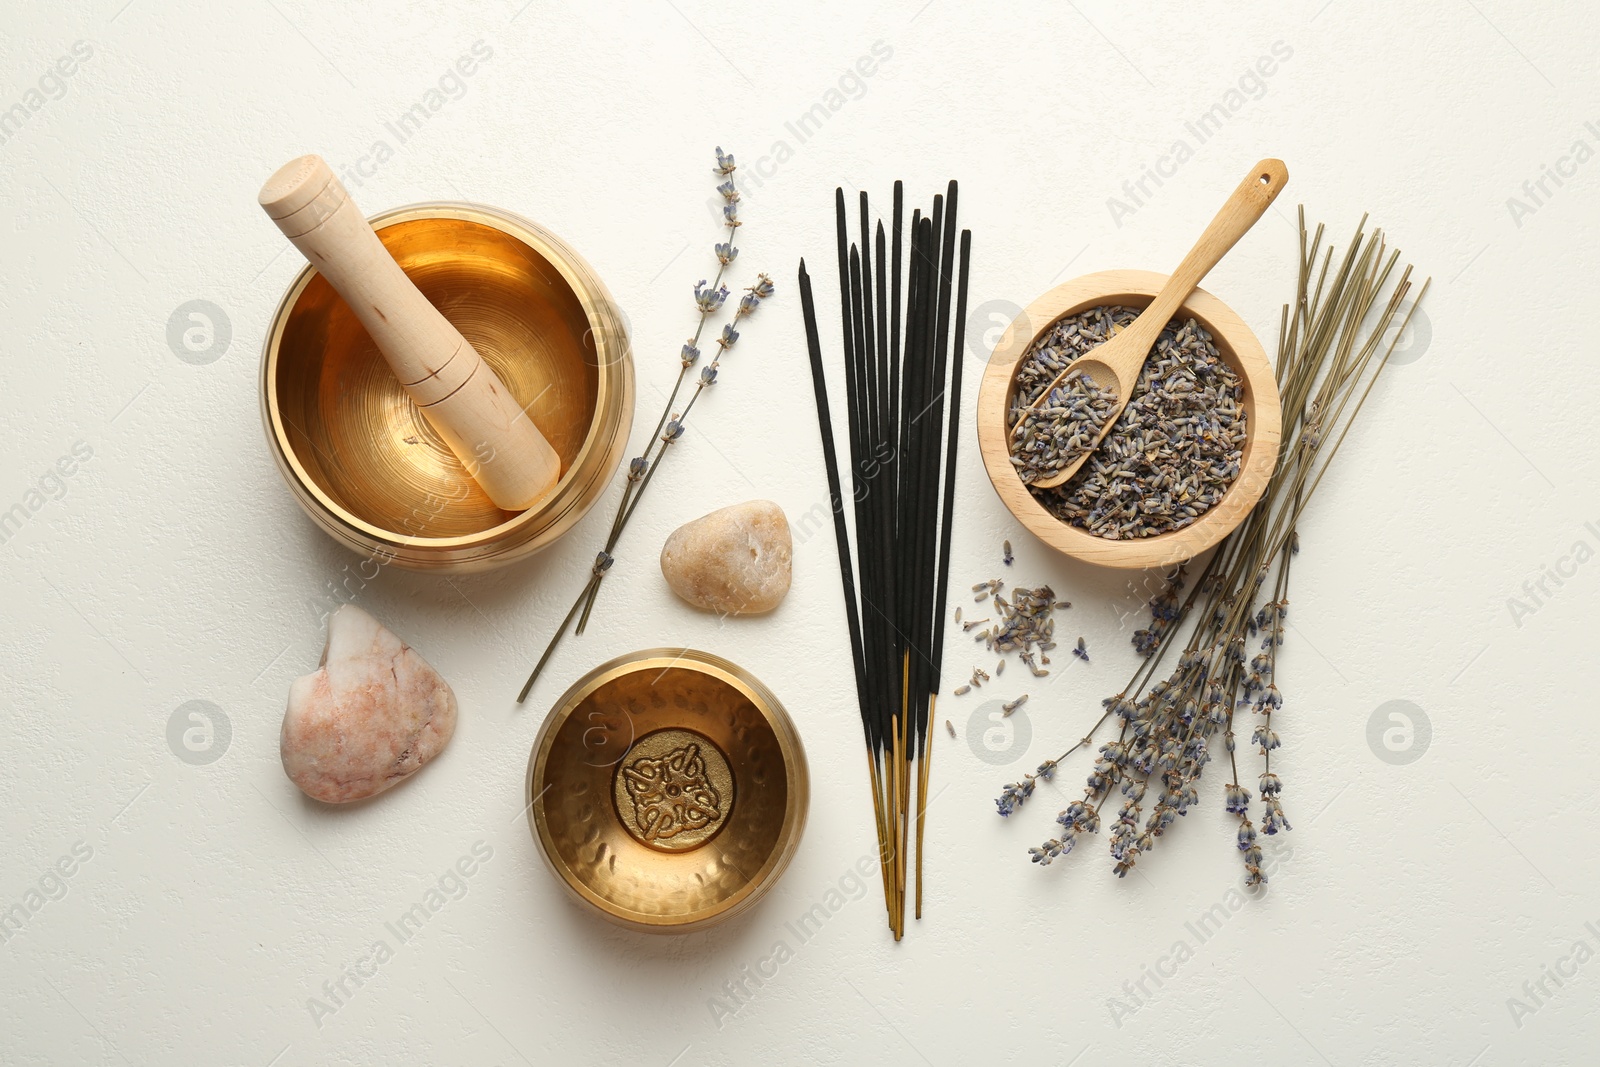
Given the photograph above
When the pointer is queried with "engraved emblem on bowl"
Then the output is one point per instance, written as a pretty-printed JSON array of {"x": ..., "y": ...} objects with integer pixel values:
[{"x": 674, "y": 790}]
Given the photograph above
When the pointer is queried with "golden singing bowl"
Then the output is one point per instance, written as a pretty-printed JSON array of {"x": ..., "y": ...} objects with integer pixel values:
[
  {"x": 1236, "y": 345},
  {"x": 667, "y": 790},
  {"x": 362, "y": 460}
]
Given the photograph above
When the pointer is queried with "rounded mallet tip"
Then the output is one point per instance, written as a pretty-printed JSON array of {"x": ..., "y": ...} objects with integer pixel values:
[{"x": 294, "y": 185}]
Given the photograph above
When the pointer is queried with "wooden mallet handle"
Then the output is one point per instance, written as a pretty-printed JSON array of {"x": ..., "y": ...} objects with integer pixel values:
[{"x": 461, "y": 395}]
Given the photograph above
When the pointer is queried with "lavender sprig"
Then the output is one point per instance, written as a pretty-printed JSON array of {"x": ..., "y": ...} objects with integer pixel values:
[{"x": 709, "y": 300}]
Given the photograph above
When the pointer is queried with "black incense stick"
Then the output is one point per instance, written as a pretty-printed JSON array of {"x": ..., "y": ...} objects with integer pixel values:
[
  {"x": 831, "y": 462},
  {"x": 952, "y": 441}
]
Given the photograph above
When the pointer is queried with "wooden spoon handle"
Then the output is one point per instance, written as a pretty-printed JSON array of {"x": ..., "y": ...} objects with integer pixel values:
[
  {"x": 460, "y": 395},
  {"x": 1118, "y": 362},
  {"x": 1247, "y": 204}
]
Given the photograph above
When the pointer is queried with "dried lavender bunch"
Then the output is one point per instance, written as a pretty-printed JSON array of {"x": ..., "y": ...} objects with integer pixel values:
[
  {"x": 709, "y": 300},
  {"x": 1168, "y": 730}
]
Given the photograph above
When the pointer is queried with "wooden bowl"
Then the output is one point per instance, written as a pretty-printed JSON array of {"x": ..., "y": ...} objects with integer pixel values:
[
  {"x": 1237, "y": 346},
  {"x": 365, "y": 464},
  {"x": 667, "y": 790}
]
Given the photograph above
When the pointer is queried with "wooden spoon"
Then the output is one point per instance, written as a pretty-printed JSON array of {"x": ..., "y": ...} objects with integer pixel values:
[{"x": 1115, "y": 364}]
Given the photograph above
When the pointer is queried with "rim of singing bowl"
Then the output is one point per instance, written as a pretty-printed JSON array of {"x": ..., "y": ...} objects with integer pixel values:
[
  {"x": 580, "y": 485},
  {"x": 796, "y": 802},
  {"x": 1236, "y": 344}
]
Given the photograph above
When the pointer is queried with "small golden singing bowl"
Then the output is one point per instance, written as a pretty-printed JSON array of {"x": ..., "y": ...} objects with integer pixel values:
[
  {"x": 668, "y": 790},
  {"x": 362, "y": 460},
  {"x": 1238, "y": 347}
]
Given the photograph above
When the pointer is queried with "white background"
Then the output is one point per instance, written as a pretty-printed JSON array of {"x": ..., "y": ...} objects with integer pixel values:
[{"x": 1409, "y": 903}]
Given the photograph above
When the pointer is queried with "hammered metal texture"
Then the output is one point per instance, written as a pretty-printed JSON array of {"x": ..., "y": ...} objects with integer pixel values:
[{"x": 648, "y": 708}]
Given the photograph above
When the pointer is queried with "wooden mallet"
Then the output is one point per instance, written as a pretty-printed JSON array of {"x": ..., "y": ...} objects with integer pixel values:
[{"x": 461, "y": 396}]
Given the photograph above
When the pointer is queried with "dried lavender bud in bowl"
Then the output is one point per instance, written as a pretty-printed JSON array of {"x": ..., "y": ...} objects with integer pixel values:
[
  {"x": 1171, "y": 455},
  {"x": 1067, "y": 424}
]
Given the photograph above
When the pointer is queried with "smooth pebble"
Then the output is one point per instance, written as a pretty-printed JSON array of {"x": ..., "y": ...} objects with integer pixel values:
[{"x": 737, "y": 560}]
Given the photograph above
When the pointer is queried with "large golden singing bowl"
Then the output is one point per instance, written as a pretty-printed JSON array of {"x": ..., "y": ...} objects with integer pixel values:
[
  {"x": 362, "y": 460},
  {"x": 668, "y": 790}
]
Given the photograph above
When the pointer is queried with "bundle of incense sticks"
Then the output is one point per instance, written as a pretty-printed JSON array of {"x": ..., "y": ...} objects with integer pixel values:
[{"x": 903, "y": 398}]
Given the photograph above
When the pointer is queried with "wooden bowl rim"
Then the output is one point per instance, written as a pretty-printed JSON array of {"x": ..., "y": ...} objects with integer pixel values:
[
  {"x": 796, "y": 804},
  {"x": 1261, "y": 446},
  {"x": 598, "y": 309}
]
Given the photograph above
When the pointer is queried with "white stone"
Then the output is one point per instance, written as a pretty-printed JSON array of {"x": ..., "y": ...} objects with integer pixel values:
[
  {"x": 372, "y": 716},
  {"x": 737, "y": 560}
]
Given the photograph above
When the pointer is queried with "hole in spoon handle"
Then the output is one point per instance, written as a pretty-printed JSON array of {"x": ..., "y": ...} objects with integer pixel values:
[{"x": 1270, "y": 176}]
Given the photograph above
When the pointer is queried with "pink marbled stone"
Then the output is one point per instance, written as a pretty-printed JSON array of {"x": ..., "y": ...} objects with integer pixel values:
[{"x": 372, "y": 716}]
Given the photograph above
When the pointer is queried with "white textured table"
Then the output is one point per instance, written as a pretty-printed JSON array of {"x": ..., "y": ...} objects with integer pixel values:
[{"x": 1432, "y": 904}]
